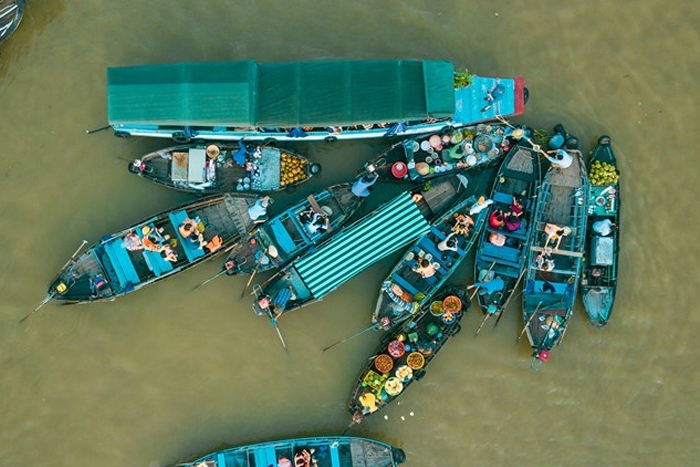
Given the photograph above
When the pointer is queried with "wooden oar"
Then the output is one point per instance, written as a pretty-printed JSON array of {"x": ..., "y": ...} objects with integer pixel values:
[
  {"x": 273, "y": 320},
  {"x": 486, "y": 317},
  {"x": 49, "y": 297},
  {"x": 228, "y": 265},
  {"x": 369, "y": 328},
  {"x": 485, "y": 276},
  {"x": 252, "y": 275},
  {"x": 528, "y": 322},
  {"x": 97, "y": 130},
  {"x": 505, "y": 305}
]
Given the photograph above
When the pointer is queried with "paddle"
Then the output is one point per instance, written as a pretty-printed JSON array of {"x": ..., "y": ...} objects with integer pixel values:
[
  {"x": 486, "y": 317},
  {"x": 49, "y": 297},
  {"x": 252, "y": 275},
  {"x": 528, "y": 322},
  {"x": 505, "y": 305},
  {"x": 485, "y": 276},
  {"x": 228, "y": 265},
  {"x": 372, "y": 326},
  {"x": 97, "y": 130},
  {"x": 279, "y": 334}
]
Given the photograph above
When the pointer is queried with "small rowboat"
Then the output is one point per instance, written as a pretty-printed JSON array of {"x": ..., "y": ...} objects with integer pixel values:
[
  {"x": 224, "y": 167},
  {"x": 11, "y": 12},
  {"x": 133, "y": 258},
  {"x": 411, "y": 347},
  {"x": 599, "y": 280},
  {"x": 560, "y": 228},
  {"x": 321, "y": 451}
]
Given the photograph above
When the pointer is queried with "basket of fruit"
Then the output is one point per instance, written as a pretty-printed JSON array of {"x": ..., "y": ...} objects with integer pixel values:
[
  {"x": 452, "y": 304},
  {"x": 393, "y": 386},
  {"x": 603, "y": 173},
  {"x": 404, "y": 373},
  {"x": 448, "y": 318},
  {"x": 383, "y": 363},
  {"x": 436, "y": 308},
  {"x": 415, "y": 360},
  {"x": 374, "y": 380},
  {"x": 396, "y": 348}
]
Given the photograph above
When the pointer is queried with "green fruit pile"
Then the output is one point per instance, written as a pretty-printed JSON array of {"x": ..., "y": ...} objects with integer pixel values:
[{"x": 603, "y": 173}]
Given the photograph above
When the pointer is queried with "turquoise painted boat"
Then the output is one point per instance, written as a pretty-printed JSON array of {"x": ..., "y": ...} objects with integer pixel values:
[
  {"x": 224, "y": 167},
  {"x": 518, "y": 179},
  {"x": 404, "y": 354},
  {"x": 323, "y": 451},
  {"x": 291, "y": 233},
  {"x": 131, "y": 259},
  {"x": 355, "y": 248},
  {"x": 303, "y": 101},
  {"x": 11, "y": 12},
  {"x": 555, "y": 257},
  {"x": 438, "y": 154},
  {"x": 405, "y": 290},
  {"x": 601, "y": 261}
]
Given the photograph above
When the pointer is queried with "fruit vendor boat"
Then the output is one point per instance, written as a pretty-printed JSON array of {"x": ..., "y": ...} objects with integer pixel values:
[
  {"x": 291, "y": 233},
  {"x": 303, "y": 101},
  {"x": 514, "y": 191},
  {"x": 405, "y": 290},
  {"x": 553, "y": 264},
  {"x": 353, "y": 249},
  {"x": 599, "y": 280},
  {"x": 405, "y": 353},
  {"x": 454, "y": 150},
  {"x": 132, "y": 258},
  {"x": 224, "y": 167},
  {"x": 321, "y": 451},
  {"x": 11, "y": 12}
]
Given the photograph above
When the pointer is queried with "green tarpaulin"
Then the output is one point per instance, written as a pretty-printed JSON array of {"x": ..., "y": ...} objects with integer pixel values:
[{"x": 321, "y": 93}]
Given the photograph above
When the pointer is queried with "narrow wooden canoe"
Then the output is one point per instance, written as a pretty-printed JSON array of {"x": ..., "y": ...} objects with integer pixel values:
[
  {"x": 325, "y": 451},
  {"x": 11, "y": 12},
  {"x": 405, "y": 353},
  {"x": 434, "y": 155},
  {"x": 405, "y": 291},
  {"x": 549, "y": 296},
  {"x": 518, "y": 178},
  {"x": 110, "y": 269},
  {"x": 601, "y": 261},
  {"x": 211, "y": 168},
  {"x": 289, "y": 234}
]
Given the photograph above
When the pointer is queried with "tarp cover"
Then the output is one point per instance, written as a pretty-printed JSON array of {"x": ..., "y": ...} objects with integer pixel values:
[
  {"x": 350, "y": 252},
  {"x": 291, "y": 94}
]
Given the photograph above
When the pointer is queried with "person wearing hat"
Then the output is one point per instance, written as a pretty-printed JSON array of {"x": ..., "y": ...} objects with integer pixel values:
[
  {"x": 497, "y": 239},
  {"x": 258, "y": 211},
  {"x": 481, "y": 204}
]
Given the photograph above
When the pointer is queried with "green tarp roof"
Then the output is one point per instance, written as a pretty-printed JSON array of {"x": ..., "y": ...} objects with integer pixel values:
[
  {"x": 291, "y": 94},
  {"x": 388, "y": 228}
]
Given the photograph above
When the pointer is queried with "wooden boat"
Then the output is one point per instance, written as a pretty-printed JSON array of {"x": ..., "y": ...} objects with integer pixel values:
[
  {"x": 11, "y": 12},
  {"x": 599, "y": 280},
  {"x": 435, "y": 155},
  {"x": 110, "y": 269},
  {"x": 518, "y": 178},
  {"x": 353, "y": 249},
  {"x": 405, "y": 353},
  {"x": 307, "y": 101},
  {"x": 325, "y": 451},
  {"x": 405, "y": 290},
  {"x": 289, "y": 234},
  {"x": 549, "y": 295},
  {"x": 224, "y": 167}
]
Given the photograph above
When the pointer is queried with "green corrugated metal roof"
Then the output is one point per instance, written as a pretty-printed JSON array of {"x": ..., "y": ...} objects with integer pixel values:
[
  {"x": 291, "y": 94},
  {"x": 350, "y": 252}
]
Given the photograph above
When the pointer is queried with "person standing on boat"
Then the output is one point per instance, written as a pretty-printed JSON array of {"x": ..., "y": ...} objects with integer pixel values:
[
  {"x": 604, "y": 227},
  {"x": 362, "y": 186},
  {"x": 239, "y": 156},
  {"x": 488, "y": 287},
  {"x": 258, "y": 211},
  {"x": 559, "y": 158}
]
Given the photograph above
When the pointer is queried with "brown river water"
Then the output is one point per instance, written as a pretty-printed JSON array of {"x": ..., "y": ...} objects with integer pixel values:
[{"x": 168, "y": 373}]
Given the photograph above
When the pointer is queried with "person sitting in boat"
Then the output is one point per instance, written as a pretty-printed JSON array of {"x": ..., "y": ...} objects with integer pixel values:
[
  {"x": 449, "y": 243},
  {"x": 481, "y": 204},
  {"x": 496, "y": 219},
  {"x": 239, "y": 157},
  {"x": 152, "y": 239},
  {"x": 304, "y": 458},
  {"x": 497, "y": 239},
  {"x": 516, "y": 207},
  {"x": 320, "y": 223},
  {"x": 425, "y": 268},
  {"x": 511, "y": 222},
  {"x": 361, "y": 187},
  {"x": 168, "y": 254},
  {"x": 544, "y": 263},
  {"x": 132, "y": 242},
  {"x": 284, "y": 462},
  {"x": 555, "y": 233},
  {"x": 189, "y": 229},
  {"x": 258, "y": 211},
  {"x": 559, "y": 158},
  {"x": 604, "y": 227},
  {"x": 463, "y": 224}
]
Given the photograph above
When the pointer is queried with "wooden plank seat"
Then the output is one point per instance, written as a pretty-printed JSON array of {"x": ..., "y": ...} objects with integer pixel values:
[
  {"x": 404, "y": 284},
  {"x": 528, "y": 177},
  {"x": 574, "y": 254},
  {"x": 123, "y": 267},
  {"x": 500, "y": 255},
  {"x": 503, "y": 198},
  {"x": 520, "y": 234},
  {"x": 220, "y": 460},
  {"x": 284, "y": 240}
]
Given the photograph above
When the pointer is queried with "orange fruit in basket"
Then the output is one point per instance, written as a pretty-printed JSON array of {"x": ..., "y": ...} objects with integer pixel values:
[
  {"x": 415, "y": 360},
  {"x": 383, "y": 363}
]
